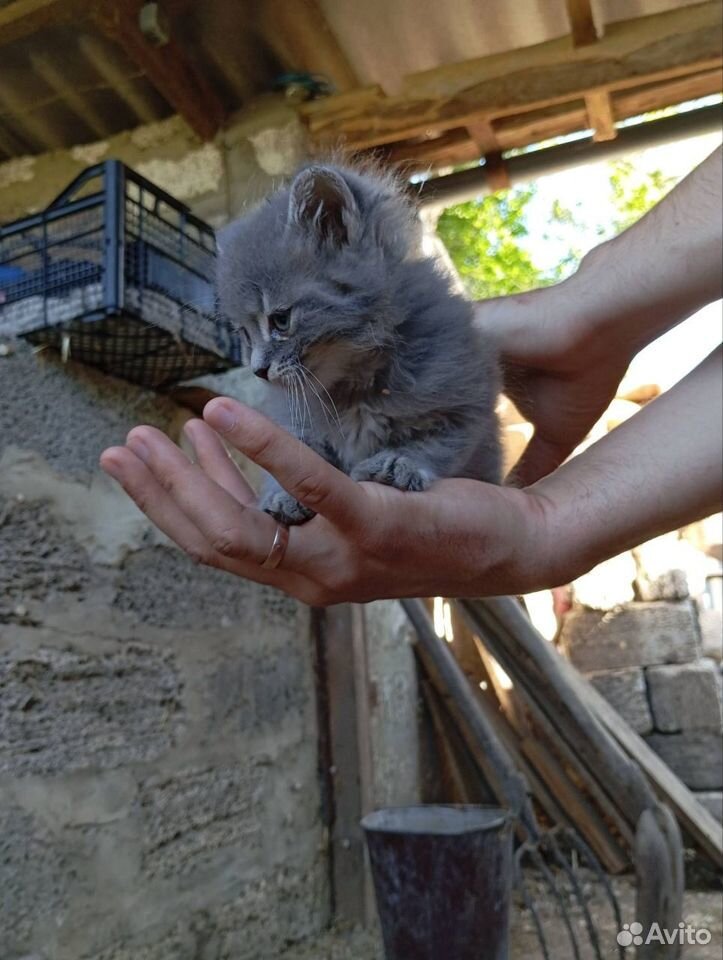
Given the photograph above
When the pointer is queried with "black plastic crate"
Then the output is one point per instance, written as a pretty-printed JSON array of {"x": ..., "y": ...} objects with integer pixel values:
[{"x": 117, "y": 274}]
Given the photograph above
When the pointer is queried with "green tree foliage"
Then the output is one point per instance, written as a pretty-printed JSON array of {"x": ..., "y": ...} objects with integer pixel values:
[
  {"x": 483, "y": 239},
  {"x": 633, "y": 193},
  {"x": 487, "y": 239}
]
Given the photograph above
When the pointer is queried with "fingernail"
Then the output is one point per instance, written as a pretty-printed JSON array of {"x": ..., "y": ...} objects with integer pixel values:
[
  {"x": 139, "y": 448},
  {"x": 221, "y": 418},
  {"x": 109, "y": 466}
]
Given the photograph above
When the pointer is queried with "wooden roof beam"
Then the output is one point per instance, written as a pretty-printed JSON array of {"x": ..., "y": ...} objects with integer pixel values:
[
  {"x": 582, "y": 22},
  {"x": 660, "y": 47},
  {"x": 300, "y": 36},
  {"x": 60, "y": 84},
  {"x": 600, "y": 115},
  {"x": 100, "y": 55},
  {"x": 22, "y": 18},
  {"x": 598, "y": 103},
  {"x": 520, "y": 130},
  {"x": 168, "y": 68}
]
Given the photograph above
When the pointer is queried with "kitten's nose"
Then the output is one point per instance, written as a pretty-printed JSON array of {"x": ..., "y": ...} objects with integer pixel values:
[{"x": 262, "y": 372}]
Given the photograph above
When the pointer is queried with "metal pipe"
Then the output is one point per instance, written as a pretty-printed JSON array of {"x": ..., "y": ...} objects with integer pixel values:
[{"x": 468, "y": 184}]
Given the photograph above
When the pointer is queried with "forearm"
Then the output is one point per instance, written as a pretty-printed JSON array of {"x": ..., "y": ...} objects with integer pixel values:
[
  {"x": 656, "y": 472},
  {"x": 627, "y": 291},
  {"x": 662, "y": 269}
]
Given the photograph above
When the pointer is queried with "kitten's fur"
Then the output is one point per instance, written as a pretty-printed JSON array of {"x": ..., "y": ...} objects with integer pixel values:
[{"x": 371, "y": 359}]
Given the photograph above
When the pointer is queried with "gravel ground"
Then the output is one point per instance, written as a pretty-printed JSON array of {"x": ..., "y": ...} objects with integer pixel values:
[{"x": 703, "y": 911}]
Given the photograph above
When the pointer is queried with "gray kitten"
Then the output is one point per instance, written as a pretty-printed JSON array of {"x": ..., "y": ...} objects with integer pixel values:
[{"x": 371, "y": 359}]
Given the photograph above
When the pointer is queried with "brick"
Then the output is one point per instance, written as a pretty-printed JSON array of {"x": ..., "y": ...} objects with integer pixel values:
[
  {"x": 633, "y": 635},
  {"x": 62, "y": 710},
  {"x": 711, "y": 633},
  {"x": 187, "y": 597},
  {"x": 37, "y": 561},
  {"x": 189, "y": 817},
  {"x": 696, "y": 756},
  {"x": 34, "y": 881},
  {"x": 671, "y": 585},
  {"x": 626, "y": 691},
  {"x": 670, "y": 568},
  {"x": 685, "y": 696},
  {"x": 712, "y": 800}
]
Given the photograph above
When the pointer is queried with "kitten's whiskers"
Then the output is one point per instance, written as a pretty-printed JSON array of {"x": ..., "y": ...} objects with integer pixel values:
[{"x": 335, "y": 414}]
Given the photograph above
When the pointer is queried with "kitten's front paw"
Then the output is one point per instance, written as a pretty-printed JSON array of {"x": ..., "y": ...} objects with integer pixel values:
[
  {"x": 394, "y": 470},
  {"x": 284, "y": 508}
]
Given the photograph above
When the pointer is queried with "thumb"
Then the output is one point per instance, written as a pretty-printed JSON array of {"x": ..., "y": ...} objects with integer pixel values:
[{"x": 299, "y": 470}]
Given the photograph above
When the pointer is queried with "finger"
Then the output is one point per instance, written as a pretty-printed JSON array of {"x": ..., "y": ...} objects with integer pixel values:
[
  {"x": 143, "y": 488},
  {"x": 539, "y": 458},
  {"x": 215, "y": 462},
  {"x": 300, "y": 471},
  {"x": 232, "y": 529}
]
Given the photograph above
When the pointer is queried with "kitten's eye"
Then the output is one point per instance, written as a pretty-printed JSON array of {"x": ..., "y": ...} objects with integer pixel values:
[
  {"x": 343, "y": 288},
  {"x": 280, "y": 320}
]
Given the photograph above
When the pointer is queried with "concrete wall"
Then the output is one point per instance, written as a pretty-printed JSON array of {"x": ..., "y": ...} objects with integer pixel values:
[
  {"x": 158, "y": 744},
  {"x": 159, "y": 792},
  {"x": 261, "y": 143}
]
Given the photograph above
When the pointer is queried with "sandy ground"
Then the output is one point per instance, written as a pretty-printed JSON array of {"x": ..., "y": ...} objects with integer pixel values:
[{"x": 703, "y": 910}]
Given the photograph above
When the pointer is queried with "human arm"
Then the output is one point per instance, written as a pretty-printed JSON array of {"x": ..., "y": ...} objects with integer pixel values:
[
  {"x": 567, "y": 347},
  {"x": 657, "y": 471}
]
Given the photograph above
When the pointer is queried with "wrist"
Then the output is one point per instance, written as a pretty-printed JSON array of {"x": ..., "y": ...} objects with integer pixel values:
[
  {"x": 516, "y": 547},
  {"x": 565, "y": 530},
  {"x": 608, "y": 309}
]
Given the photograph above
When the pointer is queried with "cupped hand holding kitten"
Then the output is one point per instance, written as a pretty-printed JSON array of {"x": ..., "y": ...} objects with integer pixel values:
[{"x": 367, "y": 541}]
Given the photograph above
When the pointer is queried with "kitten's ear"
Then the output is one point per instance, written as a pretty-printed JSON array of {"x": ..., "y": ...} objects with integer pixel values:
[{"x": 321, "y": 202}]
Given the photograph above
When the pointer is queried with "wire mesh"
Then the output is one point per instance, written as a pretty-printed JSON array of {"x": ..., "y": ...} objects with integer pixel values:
[{"x": 117, "y": 274}]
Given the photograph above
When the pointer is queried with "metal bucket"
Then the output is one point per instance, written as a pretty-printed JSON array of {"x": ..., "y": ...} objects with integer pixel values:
[{"x": 442, "y": 877}]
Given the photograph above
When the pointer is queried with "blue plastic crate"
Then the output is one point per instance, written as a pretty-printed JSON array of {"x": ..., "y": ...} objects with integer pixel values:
[{"x": 119, "y": 275}]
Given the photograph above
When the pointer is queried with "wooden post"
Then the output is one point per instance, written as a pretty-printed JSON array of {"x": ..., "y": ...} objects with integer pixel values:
[{"x": 346, "y": 843}]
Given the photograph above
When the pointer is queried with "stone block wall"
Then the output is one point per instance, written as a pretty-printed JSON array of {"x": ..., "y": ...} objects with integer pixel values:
[
  {"x": 158, "y": 746},
  {"x": 642, "y": 629}
]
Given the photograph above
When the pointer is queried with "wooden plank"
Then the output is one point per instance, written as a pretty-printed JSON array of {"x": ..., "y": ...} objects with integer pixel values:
[
  {"x": 458, "y": 788},
  {"x": 346, "y": 839},
  {"x": 103, "y": 57},
  {"x": 363, "y": 700},
  {"x": 582, "y": 22},
  {"x": 600, "y": 115},
  {"x": 531, "y": 661},
  {"x": 22, "y": 18},
  {"x": 584, "y": 818},
  {"x": 168, "y": 68},
  {"x": 519, "y": 706},
  {"x": 655, "y": 96},
  {"x": 529, "y": 649},
  {"x": 452, "y": 147},
  {"x": 44, "y": 129},
  {"x": 299, "y": 34},
  {"x": 456, "y": 146},
  {"x": 59, "y": 81},
  {"x": 483, "y": 133},
  {"x": 659, "y": 47}
]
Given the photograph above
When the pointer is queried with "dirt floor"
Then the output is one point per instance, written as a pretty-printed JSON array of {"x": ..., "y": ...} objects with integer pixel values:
[{"x": 703, "y": 911}]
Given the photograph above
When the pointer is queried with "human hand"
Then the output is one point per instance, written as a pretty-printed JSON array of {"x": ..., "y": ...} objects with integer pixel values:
[
  {"x": 567, "y": 347},
  {"x": 366, "y": 542},
  {"x": 559, "y": 371}
]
